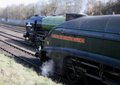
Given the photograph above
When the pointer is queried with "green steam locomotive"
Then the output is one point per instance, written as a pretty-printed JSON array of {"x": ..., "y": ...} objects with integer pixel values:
[
  {"x": 37, "y": 27},
  {"x": 86, "y": 47}
]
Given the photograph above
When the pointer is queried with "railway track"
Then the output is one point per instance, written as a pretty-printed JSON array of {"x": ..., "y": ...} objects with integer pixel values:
[
  {"x": 30, "y": 53},
  {"x": 16, "y": 39},
  {"x": 24, "y": 57},
  {"x": 1, "y": 32},
  {"x": 13, "y": 28},
  {"x": 18, "y": 43},
  {"x": 17, "y": 47},
  {"x": 30, "y": 61},
  {"x": 21, "y": 54}
]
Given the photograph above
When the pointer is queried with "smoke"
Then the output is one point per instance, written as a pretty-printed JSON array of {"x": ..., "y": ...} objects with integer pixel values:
[
  {"x": 84, "y": 6},
  {"x": 47, "y": 68}
]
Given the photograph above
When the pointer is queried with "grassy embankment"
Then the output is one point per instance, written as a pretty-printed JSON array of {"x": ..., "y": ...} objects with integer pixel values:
[{"x": 12, "y": 73}]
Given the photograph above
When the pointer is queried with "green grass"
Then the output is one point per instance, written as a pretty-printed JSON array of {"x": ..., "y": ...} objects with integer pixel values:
[{"x": 12, "y": 73}]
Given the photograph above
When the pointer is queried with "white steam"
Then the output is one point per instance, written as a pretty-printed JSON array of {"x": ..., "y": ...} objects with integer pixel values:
[
  {"x": 84, "y": 6},
  {"x": 47, "y": 68}
]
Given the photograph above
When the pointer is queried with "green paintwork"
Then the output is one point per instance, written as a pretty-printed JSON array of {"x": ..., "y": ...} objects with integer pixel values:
[
  {"x": 104, "y": 47},
  {"x": 47, "y": 27},
  {"x": 48, "y": 23},
  {"x": 52, "y": 21},
  {"x": 106, "y": 25}
]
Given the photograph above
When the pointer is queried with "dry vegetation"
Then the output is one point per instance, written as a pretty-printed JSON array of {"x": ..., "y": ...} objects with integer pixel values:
[
  {"x": 56, "y": 7},
  {"x": 17, "y": 12},
  {"x": 12, "y": 73}
]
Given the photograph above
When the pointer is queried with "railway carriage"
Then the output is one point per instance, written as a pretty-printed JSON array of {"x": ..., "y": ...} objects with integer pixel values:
[{"x": 88, "y": 46}]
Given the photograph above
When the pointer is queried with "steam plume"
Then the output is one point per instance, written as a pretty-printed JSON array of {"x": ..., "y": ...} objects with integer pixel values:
[{"x": 47, "y": 68}]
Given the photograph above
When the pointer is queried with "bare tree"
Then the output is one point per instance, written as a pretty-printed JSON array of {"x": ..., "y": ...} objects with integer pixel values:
[
  {"x": 49, "y": 9},
  {"x": 18, "y": 12},
  {"x": 57, "y": 7}
]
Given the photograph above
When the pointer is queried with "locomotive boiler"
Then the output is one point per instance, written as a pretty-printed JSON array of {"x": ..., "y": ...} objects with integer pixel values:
[
  {"x": 37, "y": 27},
  {"x": 88, "y": 46}
]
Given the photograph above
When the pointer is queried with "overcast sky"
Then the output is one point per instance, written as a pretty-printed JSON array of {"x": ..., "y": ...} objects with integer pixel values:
[{"x": 4, "y": 3}]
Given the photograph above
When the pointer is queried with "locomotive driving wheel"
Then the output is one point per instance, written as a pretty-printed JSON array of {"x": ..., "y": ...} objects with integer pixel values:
[{"x": 71, "y": 73}]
